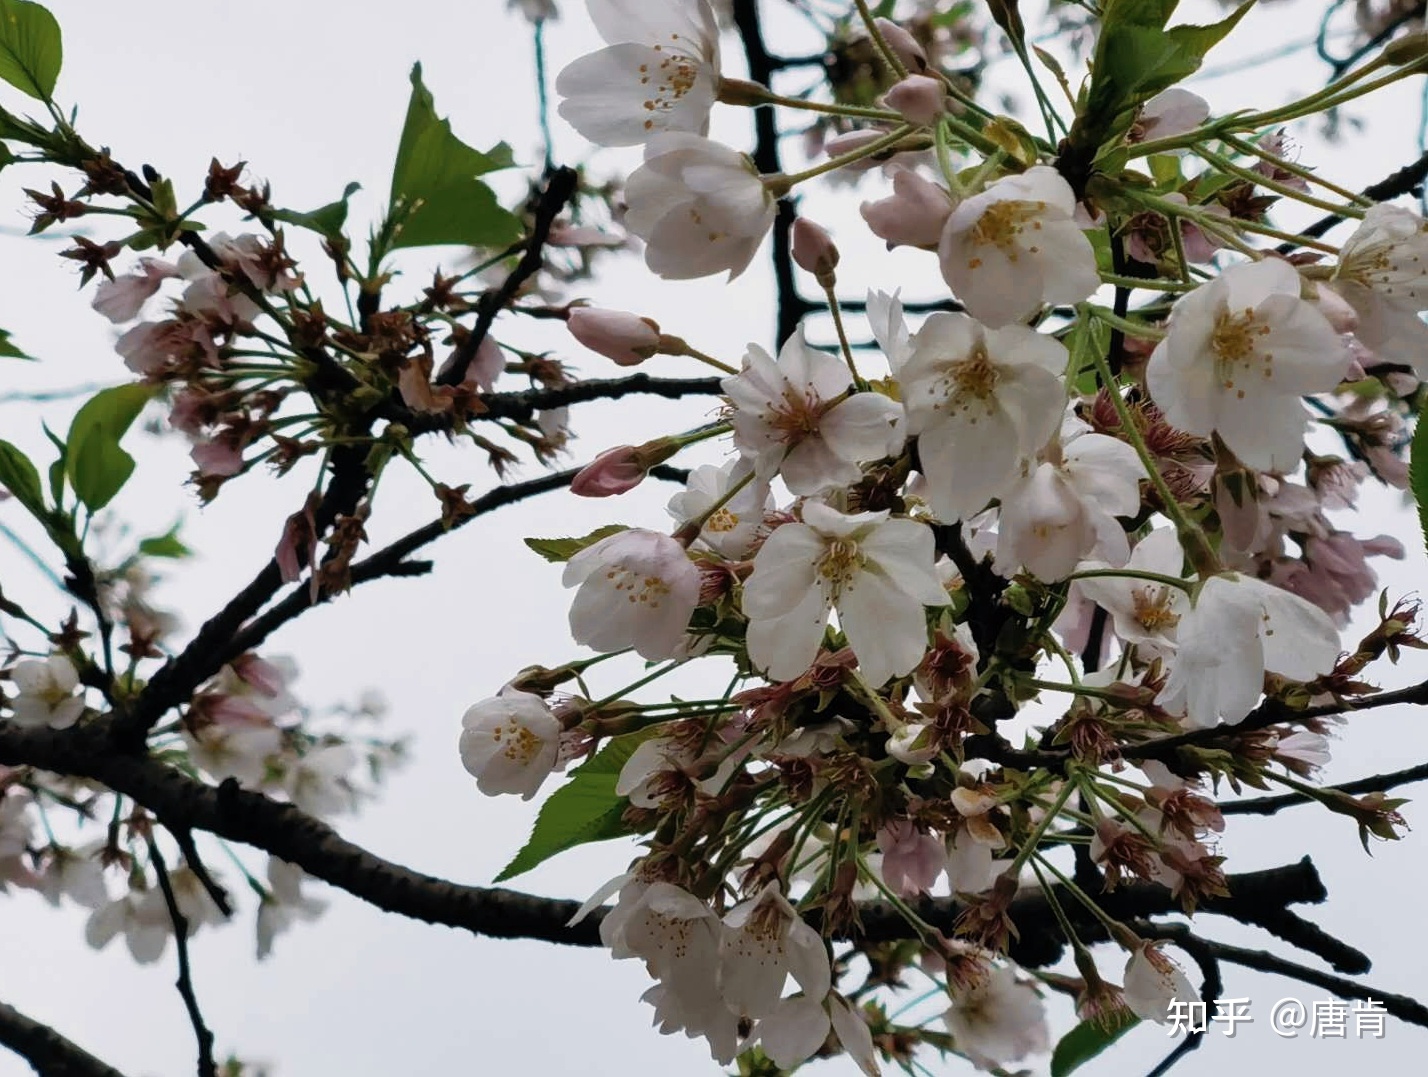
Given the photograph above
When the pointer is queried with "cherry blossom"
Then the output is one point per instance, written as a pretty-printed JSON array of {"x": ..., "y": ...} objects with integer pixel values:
[
  {"x": 1383, "y": 275},
  {"x": 1240, "y": 353},
  {"x": 1014, "y": 247},
  {"x": 47, "y": 693},
  {"x": 764, "y": 941},
  {"x": 1143, "y": 613},
  {"x": 877, "y": 572},
  {"x": 1153, "y": 982},
  {"x": 736, "y": 525},
  {"x": 913, "y": 215},
  {"x": 509, "y": 743},
  {"x": 1274, "y": 631},
  {"x": 284, "y": 904},
  {"x": 625, "y": 339},
  {"x": 799, "y": 418},
  {"x": 660, "y": 72},
  {"x": 700, "y": 207},
  {"x": 997, "y": 1020},
  {"x": 912, "y": 858},
  {"x": 1064, "y": 508},
  {"x": 979, "y": 401},
  {"x": 636, "y": 589}
]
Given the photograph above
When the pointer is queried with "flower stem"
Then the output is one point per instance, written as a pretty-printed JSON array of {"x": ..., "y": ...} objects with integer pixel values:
[{"x": 781, "y": 183}]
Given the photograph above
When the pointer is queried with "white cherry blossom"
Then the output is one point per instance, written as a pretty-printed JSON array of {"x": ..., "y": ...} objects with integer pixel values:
[
  {"x": 1241, "y": 627},
  {"x": 1143, "y": 613},
  {"x": 700, "y": 207},
  {"x": 877, "y": 572},
  {"x": 637, "y": 589},
  {"x": 1240, "y": 353},
  {"x": 509, "y": 743},
  {"x": 47, "y": 693},
  {"x": 1383, "y": 274},
  {"x": 677, "y": 936},
  {"x": 1065, "y": 508},
  {"x": 764, "y": 941},
  {"x": 660, "y": 72},
  {"x": 285, "y": 903},
  {"x": 1153, "y": 981},
  {"x": 979, "y": 401},
  {"x": 998, "y": 1020},
  {"x": 1015, "y": 246},
  {"x": 795, "y": 418},
  {"x": 734, "y": 527}
]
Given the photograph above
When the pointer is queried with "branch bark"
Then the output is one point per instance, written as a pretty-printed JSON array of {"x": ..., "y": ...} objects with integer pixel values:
[{"x": 48, "y": 1053}]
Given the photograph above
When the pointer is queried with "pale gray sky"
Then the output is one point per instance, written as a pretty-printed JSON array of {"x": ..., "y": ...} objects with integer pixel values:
[{"x": 313, "y": 95}]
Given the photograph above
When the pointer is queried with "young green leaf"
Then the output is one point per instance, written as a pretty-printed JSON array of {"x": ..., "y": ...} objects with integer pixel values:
[
  {"x": 1418, "y": 474},
  {"x": 556, "y": 550},
  {"x": 7, "y": 349},
  {"x": 327, "y": 221},
  {"x": 166, "y": 545},
  {"x": 436, "y": 195},
  {"x": 584, "y": 809},
  {"x": 96, "y": 465},
  {"x": 1087, "y": 1040},
  {"x": 19, "y": 476},
  {"x": 31, "y": 50}
]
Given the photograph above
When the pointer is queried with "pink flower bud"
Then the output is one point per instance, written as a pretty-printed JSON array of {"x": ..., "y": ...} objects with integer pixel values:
[
  {"x": 913, "y": 216},
  {"x": 903, "y": 44},
  {"x": 918, "y": 98},
  {"x": 612, "y": 472},
  {"x": 814, "y": 250},
  {"x": 626, "y": 339}
]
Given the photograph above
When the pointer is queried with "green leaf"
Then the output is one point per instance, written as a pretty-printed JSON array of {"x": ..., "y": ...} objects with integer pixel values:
[
  {"x": 18, "y": 475},
  {"x": 584, "y": 809},
  {"x": 56, "y": 468},
  {"x": 31, "y": 50},
  {"x": 1418, "y": 474},
  {"x": 8, "y": 350},
  {"x": 326, "y": 221},
  {"x": 1087, "y": 1040},
  {"x": 436, "y": 196},
  {"x": 1137, "y": 57},
  {"x": 165, "y": 545},
  {"x": 557, "y": 550},
  {"x": 96, "y": 465}
]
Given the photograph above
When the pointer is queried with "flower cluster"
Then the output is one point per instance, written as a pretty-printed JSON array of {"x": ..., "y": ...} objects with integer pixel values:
[{"x": 1030, "y": 495}]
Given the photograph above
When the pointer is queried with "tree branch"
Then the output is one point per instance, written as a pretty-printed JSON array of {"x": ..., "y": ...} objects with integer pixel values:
[
  {"x": 202, "y": 1033},
  {"x": 560, "y": 187},
  {"x": 48, "y": 1053},
  {"x": 284, "y": 831},
  {"x": 1400, "y": 1006},
  {"x": 1376, "y": 783}
]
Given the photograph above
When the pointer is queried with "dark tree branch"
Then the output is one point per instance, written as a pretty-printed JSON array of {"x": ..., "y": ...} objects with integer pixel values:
[
  {"x": 206, "y": 1065},
  {"x": 522, "y": 406},
  {"x": 1376, "y": 783},
  {"x": 1400, "y": 1006},
  {"x": 790, "y": 306},
  {"x": 1407, "y": 180},
  {"x": 175, "y": 681},
  {"x": 48, "y": 1053},
  {"x": 560, "y": 188},
  {"x": 227, "y": 811}
]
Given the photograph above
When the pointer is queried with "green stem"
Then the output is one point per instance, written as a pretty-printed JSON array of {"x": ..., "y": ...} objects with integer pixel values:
[
  {"x": 1226, "y": 165},
  {"x": 781, "y": 183},
  {"x": 1188, "y": 586}
]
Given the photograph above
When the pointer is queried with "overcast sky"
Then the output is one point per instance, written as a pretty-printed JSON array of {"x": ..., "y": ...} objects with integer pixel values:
[{"x": 312, "y": 95}]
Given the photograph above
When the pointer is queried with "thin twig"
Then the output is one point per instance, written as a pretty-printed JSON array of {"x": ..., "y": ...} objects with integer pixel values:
[
  {"x": 206, "y": 1065},
  {"x": 1376, "y": 783}
]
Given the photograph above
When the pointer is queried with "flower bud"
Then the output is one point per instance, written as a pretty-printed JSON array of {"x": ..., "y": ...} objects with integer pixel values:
[
  {"x": 815, "y": 251},
  {"x": 1410, "y": 48},
  {"x": 912, "y": 216},
  {"x": 622, "y": 468},
  {"x": 904, "y": 45},
  {"x": 626, "y": 339},
  {"x": 918, "y": 98},
  {"x": 614, "y": 471},
  {"x": 850, "y": 141}
]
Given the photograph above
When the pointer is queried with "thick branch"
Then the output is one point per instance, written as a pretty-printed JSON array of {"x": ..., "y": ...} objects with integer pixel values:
[
  {"x": 290, "y": 834},
  {"x": 48, "y": 1053}
]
